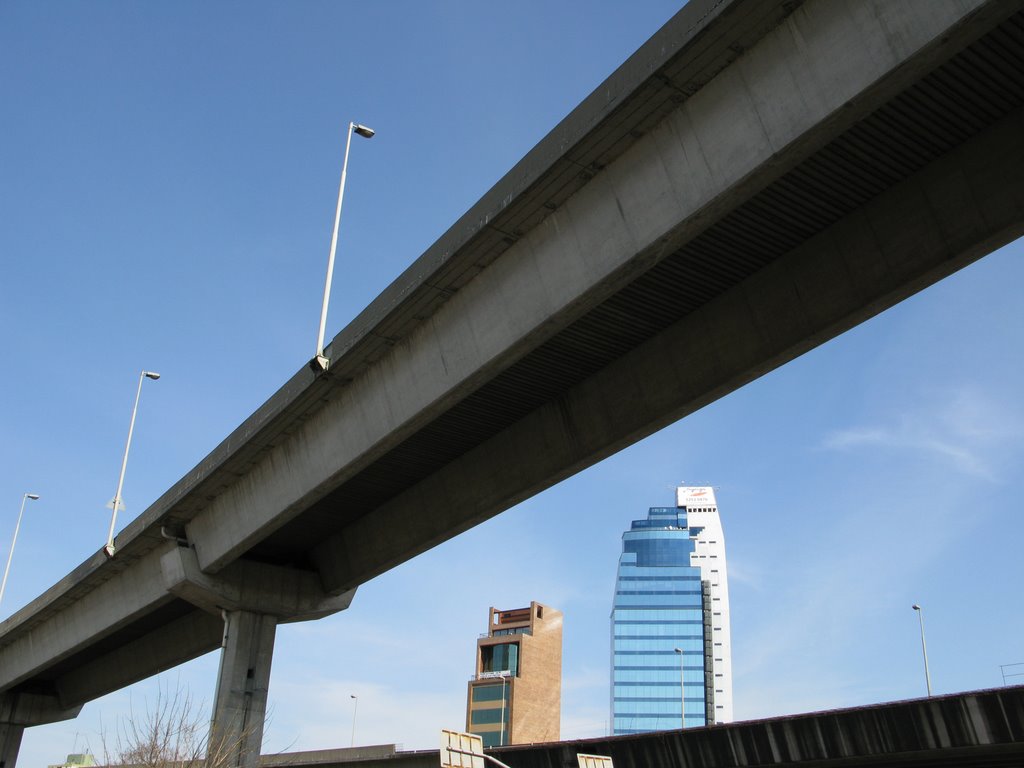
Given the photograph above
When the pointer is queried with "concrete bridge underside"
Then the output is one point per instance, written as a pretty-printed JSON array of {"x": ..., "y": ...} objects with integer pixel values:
[{"x": 756, "y": 179}]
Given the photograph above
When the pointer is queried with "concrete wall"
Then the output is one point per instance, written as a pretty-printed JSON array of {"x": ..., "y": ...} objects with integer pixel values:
[
  {"x": 964, "y": 730},
  {"x": 537, "y": 695}
]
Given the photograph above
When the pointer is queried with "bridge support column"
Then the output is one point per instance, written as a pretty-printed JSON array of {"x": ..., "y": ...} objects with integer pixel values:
[
  {"x": 253, "y": 598},
  {"x": 19, "y": 710},
  {"x": 240, "y": 705},
  {"x": 10, "y": 743}
]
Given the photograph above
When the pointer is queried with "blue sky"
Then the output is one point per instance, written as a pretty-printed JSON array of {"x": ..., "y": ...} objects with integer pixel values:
[{"x": 168, "y": 176}]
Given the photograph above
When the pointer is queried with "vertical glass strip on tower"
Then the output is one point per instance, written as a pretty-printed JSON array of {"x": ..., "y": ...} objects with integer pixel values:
[
  {"x": 670, "y": 623},
  {"x": 709, "y": 540}
]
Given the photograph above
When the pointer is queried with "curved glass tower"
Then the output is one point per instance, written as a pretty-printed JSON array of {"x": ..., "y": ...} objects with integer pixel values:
[{"x": 671, "y": 660}]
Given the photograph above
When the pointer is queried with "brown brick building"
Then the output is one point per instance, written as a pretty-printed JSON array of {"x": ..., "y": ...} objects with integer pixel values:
[{"x": 515, "y": 696}]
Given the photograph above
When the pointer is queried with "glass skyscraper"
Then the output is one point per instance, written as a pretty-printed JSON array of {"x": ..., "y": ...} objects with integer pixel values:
[{"x": 671, "y": 650}]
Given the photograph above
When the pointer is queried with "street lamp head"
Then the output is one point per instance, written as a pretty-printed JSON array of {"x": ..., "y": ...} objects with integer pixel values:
[
  {"x": 916, "y": 607},
  {"x": 352, "y": 696},
  {"x": 364, "y": 131},
  {"x": 151, "y": 375},
  {"x": 32, "y": 496},
  {"x": 678, "y": 650}
]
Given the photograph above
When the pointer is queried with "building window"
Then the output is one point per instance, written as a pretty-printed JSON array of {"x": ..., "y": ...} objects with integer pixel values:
[
  {"x": 500, "y": 658},
  {"x": 491, "y": 739},
  {"x": 488, "y": 716},
  {"x": 489, "y": 692}
]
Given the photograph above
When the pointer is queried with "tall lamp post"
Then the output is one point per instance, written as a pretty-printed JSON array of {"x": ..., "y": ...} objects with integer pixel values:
[
  {"x": 355, "y": 708},
  {"x": 682, "y": 691},
  {"x": 10, "y": 556},
  {"x": 504, "y": 699},
  {"x": 117, "y": 503},
  {"x": 924, "y": 647},
  {"x": 320, "y": 361}
]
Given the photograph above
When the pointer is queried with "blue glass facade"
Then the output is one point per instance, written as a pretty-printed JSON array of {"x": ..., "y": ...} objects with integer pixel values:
[{"x": 658, "y": 608}]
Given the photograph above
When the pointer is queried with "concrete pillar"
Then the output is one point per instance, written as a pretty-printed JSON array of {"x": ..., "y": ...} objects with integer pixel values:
[
  {"x": 252, "y": 598},
  {"x": 19, "y": 710},
  {"x": 240, "y": 705},
  {"x": 10, "y": 742}
]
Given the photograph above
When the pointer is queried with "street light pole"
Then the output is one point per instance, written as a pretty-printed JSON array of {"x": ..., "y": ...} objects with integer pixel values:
[
  {"x": 10, "y": 556},
  {"x": 924, "y": 647},
  {"x": 117, "y": 503},
  {"x": 367, "y": 133},
  {"x": 355, "y": 708},
  {"x": 504, "y": 698},
  {"x": 682, "y": 691}
]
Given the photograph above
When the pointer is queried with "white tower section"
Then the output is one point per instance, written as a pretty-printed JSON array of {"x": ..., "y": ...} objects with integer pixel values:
[{"x": 709, "y": 555}]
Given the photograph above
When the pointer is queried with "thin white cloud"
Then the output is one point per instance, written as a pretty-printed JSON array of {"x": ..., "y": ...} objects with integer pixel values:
[
  {"x": 962, "y": 428},
  {"x": 584, "y": 702},
  {"x": 907, "y": 437},
  {"x": 740, "y": 573},
  {"x": 857, "y": 436},
  {"x": 587, "y": 679}
]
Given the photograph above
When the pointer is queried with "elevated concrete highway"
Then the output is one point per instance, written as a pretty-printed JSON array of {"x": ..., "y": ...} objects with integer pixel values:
[{"x": 756, "y": 179}]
